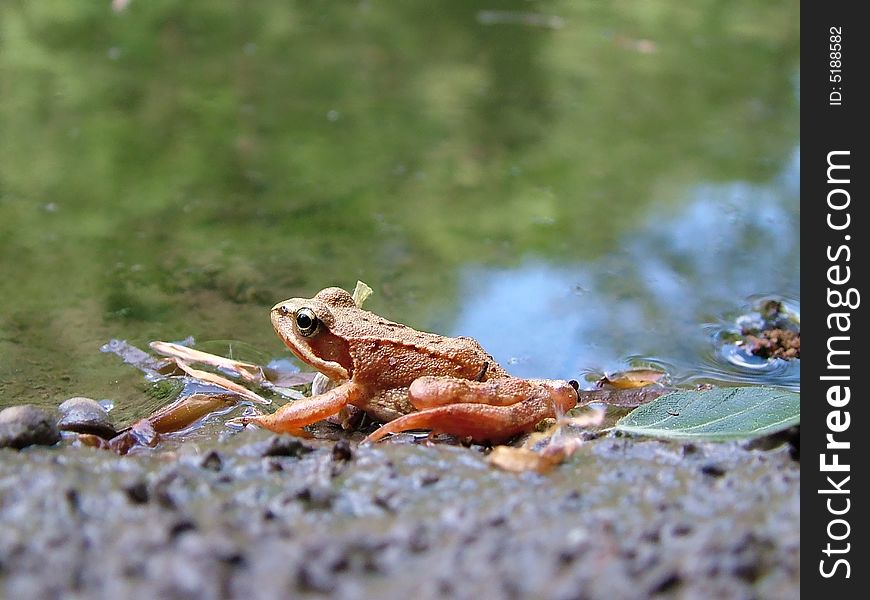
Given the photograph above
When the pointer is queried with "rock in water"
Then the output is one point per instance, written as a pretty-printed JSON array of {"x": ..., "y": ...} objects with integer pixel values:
[
  {"x": 83, "y": 415},
  {"x": 27, "y": 425}
]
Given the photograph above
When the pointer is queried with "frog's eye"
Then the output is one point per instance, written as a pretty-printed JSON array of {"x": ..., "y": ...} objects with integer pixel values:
[{"x": 307, "y": 322}]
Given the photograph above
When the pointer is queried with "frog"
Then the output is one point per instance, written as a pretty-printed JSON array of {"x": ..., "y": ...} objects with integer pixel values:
[{"x": 404, "y": 378}]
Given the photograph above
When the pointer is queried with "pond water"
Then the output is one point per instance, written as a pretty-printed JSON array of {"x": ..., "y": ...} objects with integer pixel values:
[{"x": 581, "y": 186}]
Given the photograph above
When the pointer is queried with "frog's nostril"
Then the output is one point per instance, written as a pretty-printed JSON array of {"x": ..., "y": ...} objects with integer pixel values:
[{"x": 283, "y": 310}]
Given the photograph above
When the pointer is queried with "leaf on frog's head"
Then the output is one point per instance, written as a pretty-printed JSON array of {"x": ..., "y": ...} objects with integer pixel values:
[{"x": 361, "y": 293}]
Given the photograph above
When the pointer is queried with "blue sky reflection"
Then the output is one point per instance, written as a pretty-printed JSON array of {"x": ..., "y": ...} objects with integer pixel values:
[{"x": 674, "y": 278}]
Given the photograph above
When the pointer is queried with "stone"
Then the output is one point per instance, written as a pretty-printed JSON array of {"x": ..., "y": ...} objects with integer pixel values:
[
  {"x": 212, "y": 461},
  {"x": 284, "y": 445},
  {"x": 341, "y": 451},
  {"x": 83, "y": 415},
  {"x": 27, "y": 425}
]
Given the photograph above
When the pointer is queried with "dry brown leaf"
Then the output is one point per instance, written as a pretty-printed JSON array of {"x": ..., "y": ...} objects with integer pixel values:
[
  {"x": 187, "y": 410},
  {"x": 247, "y": 371},
  {"x": 520, "y": 460},
  {"x": 542, "y": 459},
  {"x": 223, "y": 382},
  {"x": 634, "y": 378},
  {"x": 587, "y": 419}
]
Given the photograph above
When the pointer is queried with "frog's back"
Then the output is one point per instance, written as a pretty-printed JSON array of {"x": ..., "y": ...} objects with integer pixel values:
[{"x": 395, "y": 355}]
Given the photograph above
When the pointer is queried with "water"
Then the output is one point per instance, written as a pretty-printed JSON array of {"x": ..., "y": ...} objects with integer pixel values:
[
  {"x": 675, "y": 282},
  {"x": 580, "y": 186}
]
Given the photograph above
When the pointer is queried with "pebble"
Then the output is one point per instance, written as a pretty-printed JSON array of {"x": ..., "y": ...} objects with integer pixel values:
[
  {"x": 212, "y": 461},
  {"x": 137, "y": 492},
  {"x": 27, "y": 425},
  {"x": 83, "y": 415},
  {"x": 284, "y": 445},
  {"x": 341, "y": 451},
  {"x": 713, "y": 470}
]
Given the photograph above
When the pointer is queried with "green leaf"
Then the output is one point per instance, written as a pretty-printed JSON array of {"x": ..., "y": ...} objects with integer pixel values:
[{"x": 720, "y": 414}]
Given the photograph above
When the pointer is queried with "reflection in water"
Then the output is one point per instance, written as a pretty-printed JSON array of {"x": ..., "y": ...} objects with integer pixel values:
[
  {"x": 177, "y": 169},
  {"x": 651, "y": 300}
]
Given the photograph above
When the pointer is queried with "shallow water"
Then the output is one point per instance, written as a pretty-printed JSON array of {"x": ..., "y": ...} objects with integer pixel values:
[{"x": 579, "y": 186}]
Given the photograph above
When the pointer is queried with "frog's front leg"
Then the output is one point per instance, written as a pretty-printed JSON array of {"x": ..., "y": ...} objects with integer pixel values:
[
  {"x": 295, "y": 415},
  {"x": 491, "y": 411}
]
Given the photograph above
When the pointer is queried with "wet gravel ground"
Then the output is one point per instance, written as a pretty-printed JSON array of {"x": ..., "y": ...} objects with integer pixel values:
[{"x": 254, "y": 516}]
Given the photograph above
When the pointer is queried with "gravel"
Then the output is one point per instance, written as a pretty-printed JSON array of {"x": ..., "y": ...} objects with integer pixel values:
[{"x": 255, "y": 516}]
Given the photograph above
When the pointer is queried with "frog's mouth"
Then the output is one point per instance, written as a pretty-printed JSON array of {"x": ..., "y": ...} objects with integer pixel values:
[{"x": 333, "y": 370}]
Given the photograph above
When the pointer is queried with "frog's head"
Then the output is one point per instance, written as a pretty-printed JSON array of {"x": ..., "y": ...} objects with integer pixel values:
[{"x": 313, "y": 329}]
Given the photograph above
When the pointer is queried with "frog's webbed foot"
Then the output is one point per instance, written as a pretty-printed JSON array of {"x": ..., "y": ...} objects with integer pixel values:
[
  {"x": 491, "y": 411},
  {"x": 295, "y": 415}
]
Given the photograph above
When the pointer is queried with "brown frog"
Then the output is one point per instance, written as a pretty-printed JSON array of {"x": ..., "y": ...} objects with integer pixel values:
[{"x": 405, "y": 378}]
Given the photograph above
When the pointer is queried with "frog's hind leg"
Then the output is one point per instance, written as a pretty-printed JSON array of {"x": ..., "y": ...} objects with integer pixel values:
[
  {"x": 429, "y": 392},
  {"x": 294, "y": 415},
  {"x": 491, "y": 411},
  {"x": 480, "y": 422}
]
